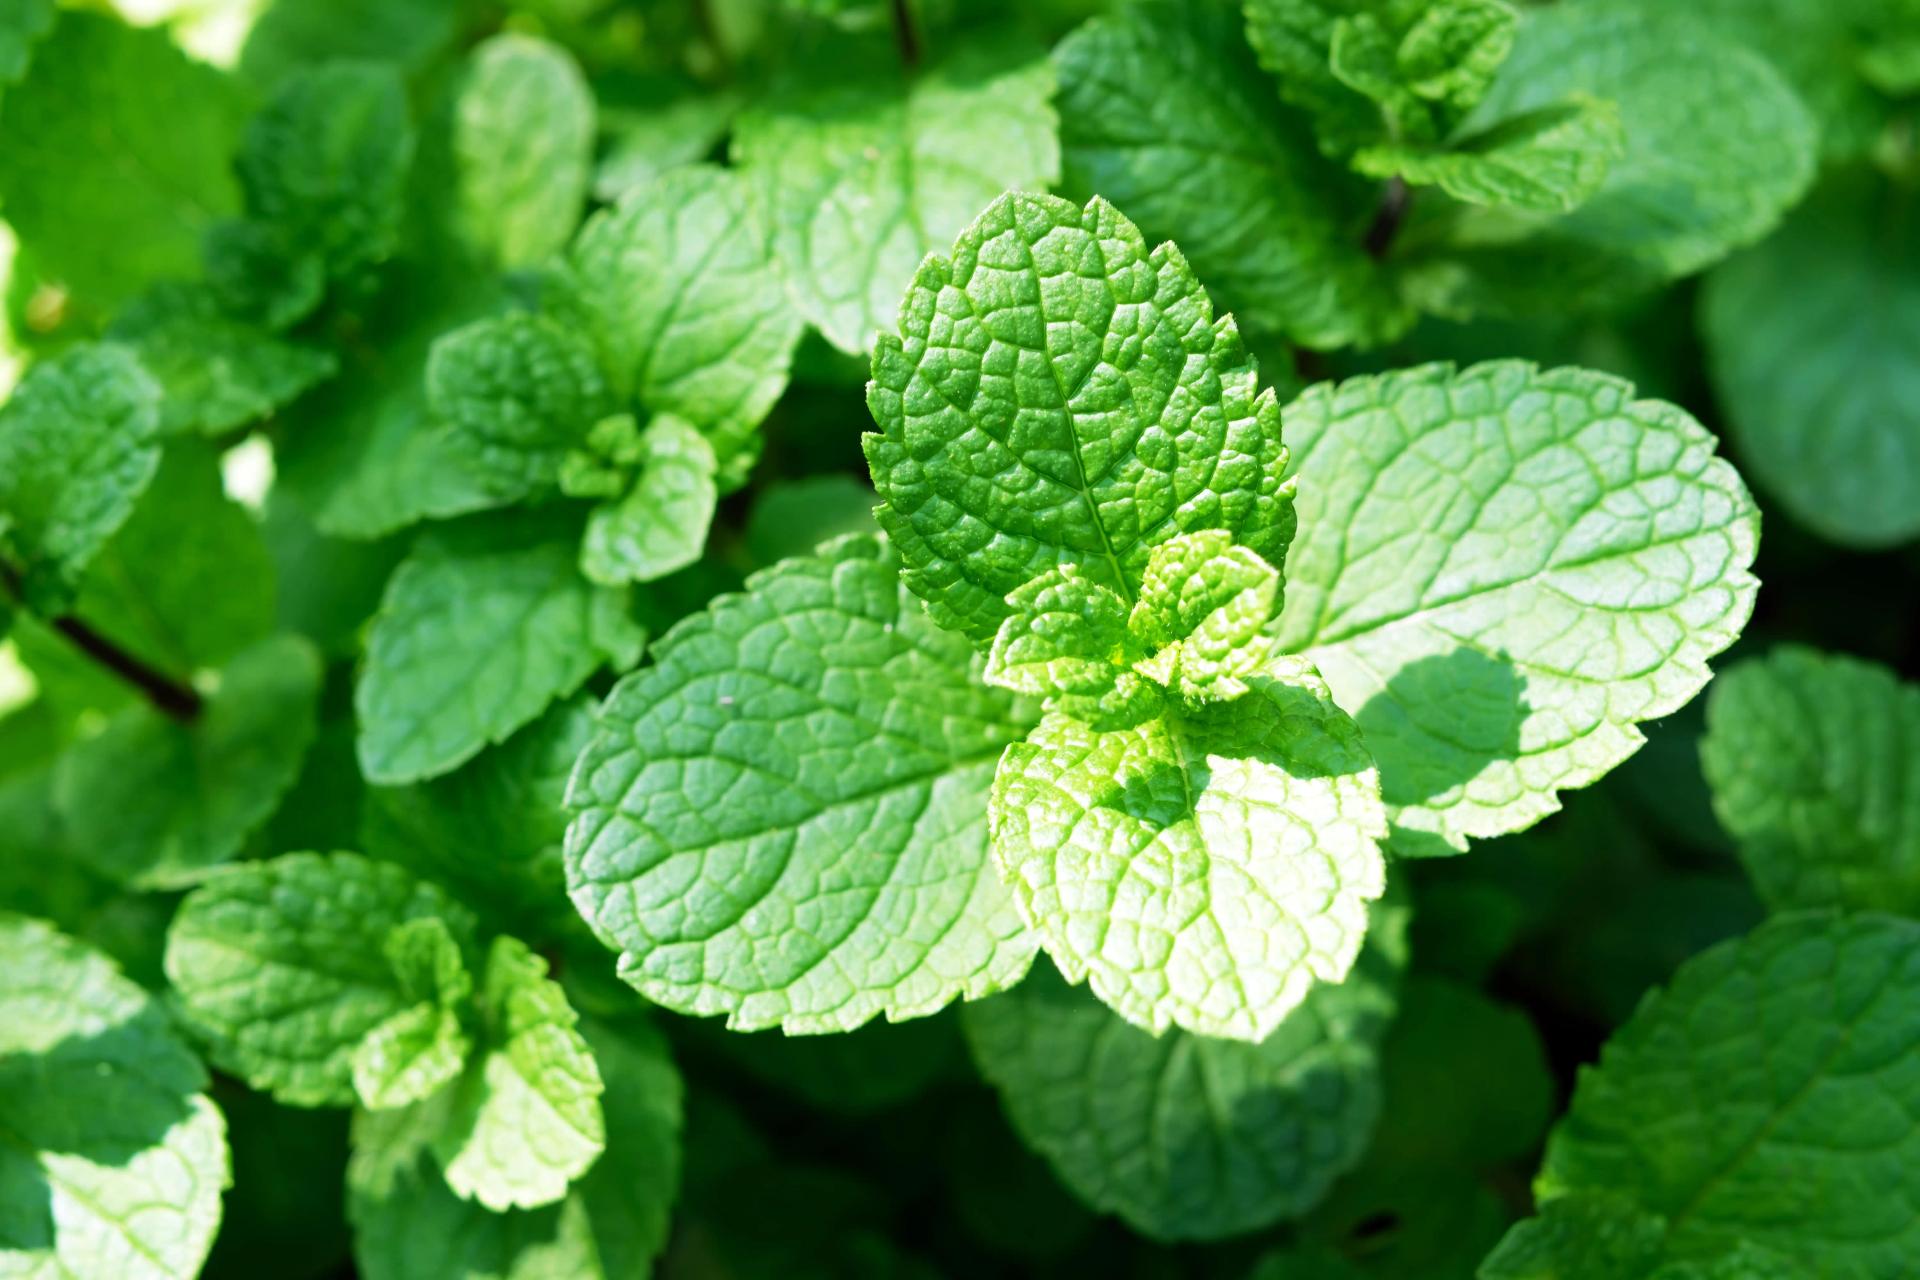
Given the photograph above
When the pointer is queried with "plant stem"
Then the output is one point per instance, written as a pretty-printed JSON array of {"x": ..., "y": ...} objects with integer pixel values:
[
  {"x": 905, "y": 35},
  {"x": 1394, "y": 202},
  {"x": 173, "y": 698}
]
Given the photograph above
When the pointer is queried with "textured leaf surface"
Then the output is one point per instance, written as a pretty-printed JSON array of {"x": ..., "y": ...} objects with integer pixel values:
[
  {"x": 1814, "y": 762},
  {"x": 661, "y": 524},
  {"x": 108, "y": 191},
  {"x": 1814, "y": 346},
  {"x": 215, "y": 373},
  {"x": 1066, "y": 635},
  {"x": 1059, "y": 394},
  {"x": 1500, "y": 571},
  {"x": 1205, "y": 614},
  {"x": 1550, "y": 159},
  {"x": 526, "y": 1119},
  {"x": 76, "y": 449},
  {"x": 491, "y": 830},
  {"x": 783, "y": 818},
  {"x": 282, "y": 966},
  {"x": 1163, "y": 112},
  {"x": 1202, "y": 867},
  {"x": 522, "y": 145},
  {"x": 678, "y": 284},
  {"x": 1718, "y": 147},
  {"x": 152, "y": 802},
  {"x": 517, "y": 392},
  {"x": 326, "y": 161},
  {"x": 409, "y": 1226},
  {"x": 414, "y": 1053},
  {"x": 1761, "y": 1095},
  {"x": 112, "y": 1158},
  {"x": 1186, "y": 1137},
  {"x": 866, "y": 171},
  {"x": 482, "y": 627}
]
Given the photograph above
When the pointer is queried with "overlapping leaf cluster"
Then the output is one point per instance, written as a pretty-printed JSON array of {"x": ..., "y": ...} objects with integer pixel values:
[{"x": 1002, "y": 547}]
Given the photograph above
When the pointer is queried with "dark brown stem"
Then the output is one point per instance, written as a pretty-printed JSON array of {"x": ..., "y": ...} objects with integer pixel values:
[
  {"x": 170, "y": 697},
  {"x": 905, "y": 35},
  {"x": 1394, "y": 202}
]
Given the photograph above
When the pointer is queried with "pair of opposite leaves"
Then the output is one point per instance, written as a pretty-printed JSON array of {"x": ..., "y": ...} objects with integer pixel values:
[{"x": 1497, "y": 573}]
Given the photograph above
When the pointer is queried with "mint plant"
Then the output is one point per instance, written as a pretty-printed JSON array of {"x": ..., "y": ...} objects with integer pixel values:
[{"x": 841, "y": 637}]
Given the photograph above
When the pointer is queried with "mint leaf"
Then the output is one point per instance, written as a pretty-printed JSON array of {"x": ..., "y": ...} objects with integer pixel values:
[
  {"x": 1808, "y": 755},
  {"x": 292, "y": 35},
  {"x": 1500, "y": 571},
  {"x": 1201, "y": 866},
  {"x": 661, "y": 524},
  {"x": 820, "y": 712},
  {"x": 525, "y": 1120},
  {"x": 1205, "y": 614},
  {"x": 1163, "y": 433},
  {"x": 1294, "y": 41},
  {"x": 866, "y": 170},
  {"x": 215, "y": 373},
  {"x": 649, "y": 126},
  {"x": 112, "y": 1157},
  {"x": 1550, "y": 159},
  {"x": 1718, "y": 147},
  {"x": 416, "y": 1052},
  {"x": 1423, "y": 65},
  {"x": 409, "y": 1226},
  {"x": 76, "y": 449},
  {"x": 108, "y": 194},
  {"x": 517, "y": 392},
  {"x": 1804, "y": 338},
  {"x": 325, "y": 165},
  {"x": 1163, "y": 112},
  {"x": 1066, "y": 635},
  {"x": 679, "y": 288},
  {"x": 522, "y": 144},
  {"x": 153, "y": 802},
  {"x": 482, "y": 626},
  {"x": 1779, "y": 1059},
  {"x": 283, "y": 966},
  {"x": 187, "y": 582},
  {"x": 1579, "y": 1237},
  {"x": 491, "y": 830},
  {"x": 1187, "y": 1137}
]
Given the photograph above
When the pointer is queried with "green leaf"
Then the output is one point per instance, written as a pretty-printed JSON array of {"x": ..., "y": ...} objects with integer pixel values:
[
  {"x": 525, "y": 1120},
  {"x": 661, "y": 524},
  {"x": 522, "y": 147},
  {"x": 1811, "y": 758},
  {"x": 1579, "y": 1237},
  {"x": 1163, "y": 112},
  {"x": 1550, "y": 159},
  {"x": 1424, "y": 65},
  {"x": 1163, "y": 433},
  {"x": 153, "y": 802},
  {"x": 1187, "y": 1137},
  {"x": 108, "y": 193},
  {"x": 112, "y": 1157},
  {"x": 186, "y": 583},
  {"x": 491, "y": 830},
  {"x": 782, "y": 818},
  {"x": 483, "y": 625},
  {"x": 409, "y": 1226},
  {"x": 517, "y": 392},
  {"x": 1066, "y": 635},
  {"x": 216, "y": 373},
  {"x": 1500, "y": 571},
  {"x": 292, "y": 35},
  {"x": 867, "y": 169},
  {"x": 76, "y": 449},
  {"x": 325, "y": 165},
  {"x": 1718, "y": 148},
  {"x": 1294, "y": 42},
  {"x": 282, "y": 966},
  {"x": 678, "y": 286},
  {"x": 1806, "y": 339},
  {"x": 1204, "y": 866},
  {"x": 416, "y": 1052},
  {"x": 649, "y": 126},
  {"x": 1205, "y": 614},
  {"x": 1758, "y": 1096}
]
